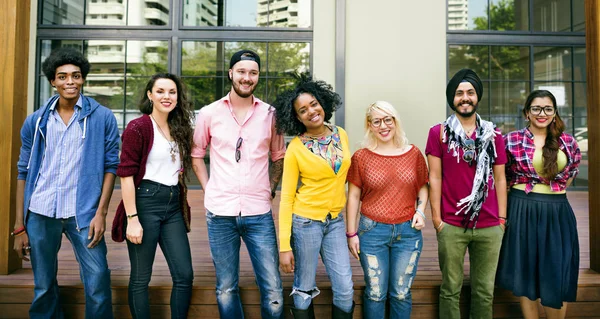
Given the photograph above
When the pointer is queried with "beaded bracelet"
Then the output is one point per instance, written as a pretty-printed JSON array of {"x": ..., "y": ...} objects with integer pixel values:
[
  {"x": 351, "y": 235},
  {"x": 18, "y": 231}
]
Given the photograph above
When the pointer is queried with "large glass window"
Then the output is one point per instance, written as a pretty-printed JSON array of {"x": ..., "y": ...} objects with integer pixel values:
[
  {"x": 504, "y": 71},
  {"x": 106, "y": 12},
  {"x": 126, "y": 41},
  {"x": 205, "y": 67},
  {"x": 514, "y": 59},
  {"x": 247, "y": 13},
  {"x": 552, "y": 16},
  {"x": 120, "y": 70},
  {"x": 515, "y": 15},
  {"x": 63, "y": 12},
  {"x": 195, "y": 13}
]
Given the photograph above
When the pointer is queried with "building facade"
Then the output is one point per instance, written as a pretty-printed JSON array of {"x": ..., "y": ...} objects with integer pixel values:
[{"x": 369, "y": 51}]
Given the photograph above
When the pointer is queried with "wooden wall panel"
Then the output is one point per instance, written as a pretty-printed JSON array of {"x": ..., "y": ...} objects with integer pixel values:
[
  {"x": 14, "y": 45},
  {"x": 592, "y": 37}
]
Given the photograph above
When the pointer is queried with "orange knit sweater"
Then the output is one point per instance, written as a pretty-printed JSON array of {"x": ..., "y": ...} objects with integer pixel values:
[{"x": 389, "y": 183}]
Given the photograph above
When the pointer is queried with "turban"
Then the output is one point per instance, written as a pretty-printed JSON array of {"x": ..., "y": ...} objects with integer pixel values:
[{"x": 463, "y": 75}]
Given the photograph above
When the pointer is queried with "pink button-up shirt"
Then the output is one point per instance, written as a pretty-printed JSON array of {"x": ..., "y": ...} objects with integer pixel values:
[{"x": 238, "y": 188}]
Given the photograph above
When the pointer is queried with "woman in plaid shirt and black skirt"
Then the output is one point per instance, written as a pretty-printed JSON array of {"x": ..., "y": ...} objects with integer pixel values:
[{"x": 540, "y": 250}]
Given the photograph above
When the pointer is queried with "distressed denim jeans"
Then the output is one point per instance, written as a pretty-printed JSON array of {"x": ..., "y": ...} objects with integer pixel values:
[
  {"x": 258, "y": 232},
  {"x": 389, "y": 255},
  {"x": 484, "y": 250},
  {"x": 45, "y": 235},
  {"x": 327, "y": 238}
]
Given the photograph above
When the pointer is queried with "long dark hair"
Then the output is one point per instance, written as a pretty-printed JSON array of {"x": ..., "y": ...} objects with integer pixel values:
[
  {"x": 553, "y": 133},
  {"x": 179, "y": 119},
  {"x": 286, "y": 120}
]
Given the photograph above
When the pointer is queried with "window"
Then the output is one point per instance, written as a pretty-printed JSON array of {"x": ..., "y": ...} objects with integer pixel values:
[
  {"x": 122, "y": 66},
  {"x": 205, "y": 67},
  {"x": 138, "y": 13},
  {"x": 512, "y": 64},
  {"x": 243, "y": 13},
  {"x": 515, "y": 15}
]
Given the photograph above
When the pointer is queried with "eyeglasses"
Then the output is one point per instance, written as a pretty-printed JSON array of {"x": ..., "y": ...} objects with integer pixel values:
[
  {"x": 388, "y": 120},
  {"x": 468, "y": 150},
  {"x": 537, "y": 110},
  {"x": 238, "y": 153}
]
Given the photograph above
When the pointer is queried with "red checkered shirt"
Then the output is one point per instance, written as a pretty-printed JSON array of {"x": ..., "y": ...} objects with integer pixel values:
[{"x": 519, "y": 169}]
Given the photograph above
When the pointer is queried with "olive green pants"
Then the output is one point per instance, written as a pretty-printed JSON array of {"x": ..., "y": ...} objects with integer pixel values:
[{"x": 484, "y": 249}]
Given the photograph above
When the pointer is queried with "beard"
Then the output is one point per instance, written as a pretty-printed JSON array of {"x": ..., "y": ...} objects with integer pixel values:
[
  {"x": 239, "y": 92},
  {"x": 467, "y": 114}
]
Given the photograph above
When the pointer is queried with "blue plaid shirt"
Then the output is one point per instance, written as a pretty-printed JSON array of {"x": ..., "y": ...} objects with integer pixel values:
[{"x": 55, "y": 191}]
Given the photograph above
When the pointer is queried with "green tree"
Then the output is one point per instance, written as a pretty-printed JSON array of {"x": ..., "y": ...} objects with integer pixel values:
[
  {"x": 501, "y": 62},
  {"x": 205, "y": 67}
]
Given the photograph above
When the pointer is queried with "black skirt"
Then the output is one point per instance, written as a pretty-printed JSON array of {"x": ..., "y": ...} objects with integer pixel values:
[{"x": 540, "y": 250}]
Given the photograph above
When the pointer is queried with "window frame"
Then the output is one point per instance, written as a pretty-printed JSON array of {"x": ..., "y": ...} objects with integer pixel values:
[{"x": 531, "y": 39}]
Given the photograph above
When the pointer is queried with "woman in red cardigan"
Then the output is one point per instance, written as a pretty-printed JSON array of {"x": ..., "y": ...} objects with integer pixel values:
[{"x": 154, "y": 158}]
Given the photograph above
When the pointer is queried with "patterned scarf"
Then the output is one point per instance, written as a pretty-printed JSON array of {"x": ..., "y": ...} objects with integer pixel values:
[
  {"x": 484, "y": 155},
  {"x": 328, "y": 147}
]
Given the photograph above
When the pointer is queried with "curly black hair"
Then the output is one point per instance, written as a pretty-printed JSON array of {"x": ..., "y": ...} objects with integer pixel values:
[
  {"x": 286, "y": 121},
  {"x": 179, "y": 119},
  {"x": 63, "y": 56}
]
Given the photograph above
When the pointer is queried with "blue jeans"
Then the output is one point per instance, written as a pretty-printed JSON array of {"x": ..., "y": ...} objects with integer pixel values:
[
  {"x": 311, "y": 238},
  {"x": 45, "y": 235},
  {"x": 159, "y": 214},
  {"x": 389, "y": 255},
  {"x": 258, "y": 232}
]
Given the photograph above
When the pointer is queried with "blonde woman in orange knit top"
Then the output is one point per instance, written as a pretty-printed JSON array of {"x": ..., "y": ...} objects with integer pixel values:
[{"x": 389, "y": 176}]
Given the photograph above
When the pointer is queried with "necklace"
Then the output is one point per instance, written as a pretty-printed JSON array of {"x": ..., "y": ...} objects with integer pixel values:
[
  {"x": 171, "y": 144},
  {"x": 317, "y": 136},
  {"x": 469, "y": 132}
]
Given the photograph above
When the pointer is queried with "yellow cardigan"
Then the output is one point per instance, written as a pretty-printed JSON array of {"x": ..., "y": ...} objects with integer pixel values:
[{"x": 322, "y": 191}]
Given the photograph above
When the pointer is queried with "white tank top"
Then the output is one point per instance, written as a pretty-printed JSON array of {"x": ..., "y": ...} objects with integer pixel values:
[{"x": 160, "y": 166}]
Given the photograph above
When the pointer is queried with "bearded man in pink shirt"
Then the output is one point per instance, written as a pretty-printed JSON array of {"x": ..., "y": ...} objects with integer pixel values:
[
  {"x": 467, "y": 191},
  {"x": 240, "y": 130}
]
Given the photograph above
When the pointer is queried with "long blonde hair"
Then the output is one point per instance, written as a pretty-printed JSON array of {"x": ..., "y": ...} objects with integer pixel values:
[{"x": 370, "y": 141}]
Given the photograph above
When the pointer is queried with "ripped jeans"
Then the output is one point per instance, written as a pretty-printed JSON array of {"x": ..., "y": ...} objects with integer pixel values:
[
  {"x": 258, "y": 232},
  {"x": 327, "y": 238},
  {"x": 389, "y": 255}
]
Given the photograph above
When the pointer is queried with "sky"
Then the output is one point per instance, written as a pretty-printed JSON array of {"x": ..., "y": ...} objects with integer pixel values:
[{"x": 477, "y": 8}]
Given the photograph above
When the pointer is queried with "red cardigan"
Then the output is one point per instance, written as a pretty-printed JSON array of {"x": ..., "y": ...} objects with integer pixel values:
[{"x": 137, "y": 139}]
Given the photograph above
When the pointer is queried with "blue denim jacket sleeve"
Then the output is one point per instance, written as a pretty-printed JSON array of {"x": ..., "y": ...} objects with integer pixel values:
[{"x": 27, "y": 134}]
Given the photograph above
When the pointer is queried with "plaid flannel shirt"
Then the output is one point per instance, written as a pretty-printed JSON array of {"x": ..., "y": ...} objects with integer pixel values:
[{"x": 519, "y": 169}]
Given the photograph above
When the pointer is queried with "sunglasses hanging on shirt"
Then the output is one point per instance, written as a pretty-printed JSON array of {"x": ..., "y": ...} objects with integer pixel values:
[
  {"x": 238, "y": 153},
  {"x": 468, "y": 146}
]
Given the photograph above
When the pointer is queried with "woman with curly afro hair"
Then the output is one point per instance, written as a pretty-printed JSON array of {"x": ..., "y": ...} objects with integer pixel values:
[{"x": 310, "y": 218}]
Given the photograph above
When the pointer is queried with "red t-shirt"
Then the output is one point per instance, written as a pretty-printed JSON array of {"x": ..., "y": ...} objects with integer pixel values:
[
  {"x": 457, "y": 181},
  {"x": 389, "y": 183}
]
